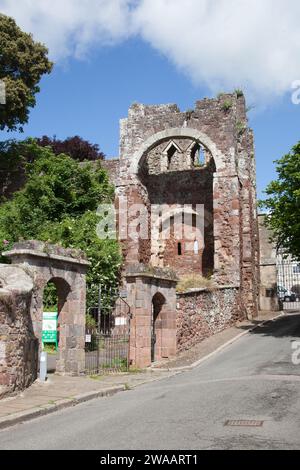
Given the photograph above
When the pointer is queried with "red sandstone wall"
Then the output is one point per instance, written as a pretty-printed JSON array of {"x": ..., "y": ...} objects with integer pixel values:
[
  {"x": 204, "y": 313},
  {"x": 18, "y": 345},
  {"x": 233, "y": 239},
  {"x": 112, "y": 168},
  {"x": 186, "y": 187}
]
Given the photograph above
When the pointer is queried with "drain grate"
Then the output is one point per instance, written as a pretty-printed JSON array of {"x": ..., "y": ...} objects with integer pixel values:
[{"x": 244, "y": 422}]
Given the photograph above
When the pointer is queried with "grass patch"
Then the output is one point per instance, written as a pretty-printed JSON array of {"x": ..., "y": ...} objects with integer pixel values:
[
  {"x": 241, "y": 127},
  {"x": 49, "y": 348},
  {"x": 135, "y": 370},
  {"x": 226, "y": 105},
  {"x": 194, "y": 281},
  {"x": 96, "y": 376},
  {"x": 239, "y": 93}
]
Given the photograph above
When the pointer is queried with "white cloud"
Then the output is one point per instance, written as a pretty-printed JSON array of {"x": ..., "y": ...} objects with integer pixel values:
[
  {"x": 224, "y": 44},
  {"x": 71, "y": 27},
  {"x": 227, "y": 43}
]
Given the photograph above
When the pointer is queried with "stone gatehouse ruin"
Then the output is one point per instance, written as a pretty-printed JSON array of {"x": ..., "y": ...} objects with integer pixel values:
[
  {"x": 196, "y": 163},
  {"x": 175, "y": 168}
]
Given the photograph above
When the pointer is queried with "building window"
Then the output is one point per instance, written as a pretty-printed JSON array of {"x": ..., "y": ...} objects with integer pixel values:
[
  {"x": 196, "y": 247},
  {"x": 198, "y": 155},
  {"x": 170, "y": 154},
  {"x": 296, "y": 269},
  {"x": 194, "y": 220},
  {"x": 179, "y": 249},
  {"x": 160, "y": 227}
]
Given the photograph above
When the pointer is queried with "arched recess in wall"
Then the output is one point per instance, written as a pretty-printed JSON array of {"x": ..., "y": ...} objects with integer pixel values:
[
  {"x": 188, "y": 184},
  {"x": 173, "y": 133}
]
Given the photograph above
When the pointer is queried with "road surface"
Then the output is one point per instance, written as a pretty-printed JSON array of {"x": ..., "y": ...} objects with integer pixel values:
[{"x": 252, "y": 379}]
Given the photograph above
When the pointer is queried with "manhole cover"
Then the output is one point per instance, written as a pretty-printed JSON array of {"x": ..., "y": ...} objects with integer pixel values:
[{"x": 244, "y": 422}]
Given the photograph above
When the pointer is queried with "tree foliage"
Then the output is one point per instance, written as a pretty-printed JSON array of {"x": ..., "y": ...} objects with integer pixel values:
[
  {"x": 283, "y": 203},
  {"x": 58, "y": 204},
  {"x": 15, "y": 154},
  {"x": 22, "y": 64},
  {"x": 76, "y": 147},
  {"x": 50, "y": 297}
]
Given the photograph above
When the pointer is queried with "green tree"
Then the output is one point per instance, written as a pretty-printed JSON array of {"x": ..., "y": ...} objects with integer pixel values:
[
  {"x": 283, "y": 203},
  {"x": 58, "y": 204},
  {"x": 14, "y": 154},
  {"x": 104, "y": 255},
  {"x": 22, "y": 64}
]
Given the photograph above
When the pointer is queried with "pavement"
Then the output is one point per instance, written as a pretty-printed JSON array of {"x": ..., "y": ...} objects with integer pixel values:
[
  {"x": 246, "y": 396},
  {"x": 60, "y": 392}
]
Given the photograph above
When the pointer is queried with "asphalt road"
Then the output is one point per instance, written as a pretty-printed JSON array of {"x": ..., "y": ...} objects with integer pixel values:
[{"x": 252, "y": 379}]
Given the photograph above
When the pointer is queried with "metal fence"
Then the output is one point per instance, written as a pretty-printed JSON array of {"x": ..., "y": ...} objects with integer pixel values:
[
  {"x": 288, "y": 282},
  {"x": 107, "y": 346}
]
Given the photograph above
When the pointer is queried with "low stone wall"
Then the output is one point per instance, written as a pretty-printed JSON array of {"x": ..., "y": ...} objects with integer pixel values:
[
  {"x": 203, "y": 313},
  {"x": 18, "y": 345}
]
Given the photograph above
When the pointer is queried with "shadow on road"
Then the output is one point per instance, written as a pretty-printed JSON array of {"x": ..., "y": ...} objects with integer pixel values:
[{"x": 285, "y": 326}]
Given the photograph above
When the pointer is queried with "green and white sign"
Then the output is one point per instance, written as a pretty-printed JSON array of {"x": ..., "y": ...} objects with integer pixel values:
[{"x": 49, "y": 331}]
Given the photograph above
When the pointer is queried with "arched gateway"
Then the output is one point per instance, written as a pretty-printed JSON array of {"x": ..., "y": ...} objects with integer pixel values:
[
  {"x": 66, "y": 268},
  {"x": 152, "y": 297}
]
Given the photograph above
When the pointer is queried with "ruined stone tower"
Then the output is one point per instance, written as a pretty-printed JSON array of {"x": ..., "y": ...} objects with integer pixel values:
[{"x": 202, "y": 158}]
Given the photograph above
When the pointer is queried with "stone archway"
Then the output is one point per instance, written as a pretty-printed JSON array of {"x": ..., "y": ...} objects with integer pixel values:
[
  {"x": 67, "y": 268},
  {"x": 142, "y": 287}
]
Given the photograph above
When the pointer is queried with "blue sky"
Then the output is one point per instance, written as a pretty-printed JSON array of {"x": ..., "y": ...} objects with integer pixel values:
[
  {"x": 88, "y": 98},
  {"x": 111, "y": 53}
]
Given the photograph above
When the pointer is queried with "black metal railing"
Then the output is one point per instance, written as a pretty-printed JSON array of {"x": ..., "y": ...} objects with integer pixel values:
[
  {"x": 107, "y": 353},
  {"x": 288, "y": 282},
  {"x": 107, "y": 345}
]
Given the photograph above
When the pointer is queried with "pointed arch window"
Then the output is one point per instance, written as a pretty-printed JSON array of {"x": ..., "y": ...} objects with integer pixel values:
[
  {"x": 170, "y": 154},
  {"x": 198, "y": 155}
]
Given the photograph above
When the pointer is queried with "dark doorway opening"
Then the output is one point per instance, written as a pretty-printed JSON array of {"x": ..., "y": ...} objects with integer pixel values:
[{"x": 158, "y": 302}]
